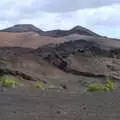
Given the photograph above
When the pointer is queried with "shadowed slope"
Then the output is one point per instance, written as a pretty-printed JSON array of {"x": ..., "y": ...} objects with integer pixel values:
[{"x": 76, "y": 30}]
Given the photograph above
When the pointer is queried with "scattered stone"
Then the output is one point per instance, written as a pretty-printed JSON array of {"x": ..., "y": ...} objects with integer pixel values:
[
  {"x": 64, "y": 86},
  {"x": 44, "y": 81},
  {"x": 3, "y": 89},
  {"x": 58, "y": 111}
]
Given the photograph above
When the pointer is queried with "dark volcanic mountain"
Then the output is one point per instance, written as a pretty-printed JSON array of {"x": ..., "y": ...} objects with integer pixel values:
[
  {"x": 76, "y": 30},
  {"x": 22, "y": 28},
  {"x": 53, "y": 33}
]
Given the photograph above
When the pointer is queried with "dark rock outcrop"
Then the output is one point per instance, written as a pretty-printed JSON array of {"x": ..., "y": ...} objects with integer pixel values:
[
  {"x": 66, "y": 49},
  {"x": 58, "y": 55}
]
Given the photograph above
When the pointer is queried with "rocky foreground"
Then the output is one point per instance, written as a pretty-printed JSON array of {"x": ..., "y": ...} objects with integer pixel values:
[{"x": 34, "y": 104}]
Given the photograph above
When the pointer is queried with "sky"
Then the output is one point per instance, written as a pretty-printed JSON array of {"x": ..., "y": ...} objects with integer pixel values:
[{"x": 100, "y": 16}]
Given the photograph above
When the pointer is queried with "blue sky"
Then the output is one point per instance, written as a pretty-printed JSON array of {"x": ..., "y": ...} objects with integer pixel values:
[{"x": 101, "y": 16}]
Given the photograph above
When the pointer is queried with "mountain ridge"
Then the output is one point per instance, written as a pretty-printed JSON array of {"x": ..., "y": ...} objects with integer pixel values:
[{"x": 53, "y": 33}]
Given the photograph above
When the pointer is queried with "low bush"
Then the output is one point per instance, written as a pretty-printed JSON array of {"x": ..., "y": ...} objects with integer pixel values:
[
  {"x": 8, "y": 81},
  {"x": 39, "y": 85},
  {"x": 95, "y": 87},
  {"x": 107, "y": 87}
]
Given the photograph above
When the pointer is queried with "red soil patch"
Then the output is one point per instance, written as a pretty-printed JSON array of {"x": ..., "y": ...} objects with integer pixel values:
[{"x": 26, "y": 39}]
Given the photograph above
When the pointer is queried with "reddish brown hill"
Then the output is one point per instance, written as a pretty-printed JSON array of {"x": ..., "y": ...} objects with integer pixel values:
[
  {"x": 35, "y": 40},
  {"x": 27, "y": 39}
]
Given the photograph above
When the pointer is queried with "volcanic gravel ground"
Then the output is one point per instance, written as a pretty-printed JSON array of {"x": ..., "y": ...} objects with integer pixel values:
[{"x": 34, "y": 104}]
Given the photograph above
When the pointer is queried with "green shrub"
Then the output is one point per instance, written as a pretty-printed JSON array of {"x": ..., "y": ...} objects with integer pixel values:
[
  {"x": 107, "y": 87},
  {"x": 39, "y": 85},
  {"x": 95, "y": 87},
  {"x": 8, "y": 81}
]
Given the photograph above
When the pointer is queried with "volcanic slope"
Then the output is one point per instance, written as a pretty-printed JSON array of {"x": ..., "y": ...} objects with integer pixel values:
[{"x": 70, "y": 59}]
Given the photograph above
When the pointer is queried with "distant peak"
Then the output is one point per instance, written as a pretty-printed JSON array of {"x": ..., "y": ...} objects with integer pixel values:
[
  {"x": 22, "y": 28},
  {"x": 78, "y": 27},
  {"x": 24, "y": 25}
]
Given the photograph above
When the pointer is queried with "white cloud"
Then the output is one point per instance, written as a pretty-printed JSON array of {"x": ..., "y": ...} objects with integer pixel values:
[
  {"x": 71, "y": 5},
  {"x": 54, "y": 5},
  {"x": 101, "y": 16}
]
